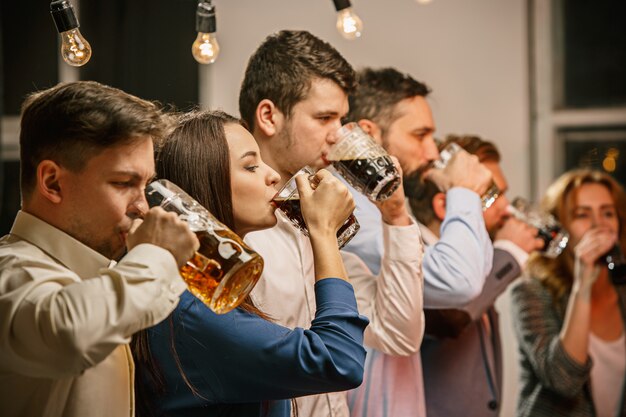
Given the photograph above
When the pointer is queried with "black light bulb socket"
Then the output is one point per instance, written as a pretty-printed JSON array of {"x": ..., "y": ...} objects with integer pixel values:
[
  {"x": 205, "y": 18},
  {"x": 341, "y": 4},
  {"x": 63, "y": 15}
]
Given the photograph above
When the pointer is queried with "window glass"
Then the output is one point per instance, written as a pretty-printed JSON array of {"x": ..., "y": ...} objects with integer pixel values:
[
  {"x": 143, "y": 47},
  {"x": 603, "y": 149},
  {"x": 29, "y": 51},
  {"x": 594, "y": 53}
]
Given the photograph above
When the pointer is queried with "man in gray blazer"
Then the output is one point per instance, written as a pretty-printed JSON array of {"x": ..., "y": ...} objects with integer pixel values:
[{"x": 461, "y": 352}]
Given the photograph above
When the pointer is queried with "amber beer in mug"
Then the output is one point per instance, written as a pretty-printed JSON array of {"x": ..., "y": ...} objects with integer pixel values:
[
  {"x": 224, "y": 270},
  {"x": 287, "y": 200},
  {"x": 363, "y": 163}
]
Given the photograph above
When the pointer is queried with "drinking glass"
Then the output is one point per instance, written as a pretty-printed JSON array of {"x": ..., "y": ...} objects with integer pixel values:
[
  {"x": 446, "y": 154},
  {"x": 224, "y": 270},
  {"x": 555, "y": 238},
  {"x": 363, "y": 163},
  {"x": 287, "y": 201},
  {"x": 616, "y": 262}
]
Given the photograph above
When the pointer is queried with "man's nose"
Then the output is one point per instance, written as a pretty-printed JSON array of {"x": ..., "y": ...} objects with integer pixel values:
[
  {"x": 138, "y": 208},
  {"x": 431, "y": 152},
  {"x": 331, "y": 137}
]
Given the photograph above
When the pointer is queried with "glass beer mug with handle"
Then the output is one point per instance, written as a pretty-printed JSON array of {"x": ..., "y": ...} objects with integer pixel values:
[
  {"x": 446, "y": 154},
  {"x": 555, "y": 238},
  {"x": 363, "y": 163},
  {"x": 224, "y": 270},
  {"x": 287, "y": 201}
]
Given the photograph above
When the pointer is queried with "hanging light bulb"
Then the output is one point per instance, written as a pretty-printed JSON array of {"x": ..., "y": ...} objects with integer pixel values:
[
  {"x": 75, "y": 49},
  {"x": 205, "y": 48},
  {"x": 349, "y": 24}
]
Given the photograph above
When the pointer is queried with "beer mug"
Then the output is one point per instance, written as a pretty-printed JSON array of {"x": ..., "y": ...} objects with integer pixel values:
[
  {"x": 363, "y": 163},
  {"x": 287, "y": 201},
  {"x": 446, "y": 154},
  {"x": 224, "y": 270},
  {"x": 555, "y": 238}
]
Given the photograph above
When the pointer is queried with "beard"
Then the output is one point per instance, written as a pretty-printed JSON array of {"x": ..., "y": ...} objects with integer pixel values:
[
  {"x": 421, "y": 171},
  {"x": 417, "y": 185}
]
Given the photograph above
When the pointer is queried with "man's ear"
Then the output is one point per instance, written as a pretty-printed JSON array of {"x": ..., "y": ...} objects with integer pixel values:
[
  {"x": 48, "y": 181},
  {"x": 372, "y": 129},
  {"x": 439, "y": 206},
  {"x": 268, "y": 118}
]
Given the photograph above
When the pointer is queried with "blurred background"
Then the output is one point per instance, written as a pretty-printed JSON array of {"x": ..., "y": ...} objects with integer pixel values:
[{"x": 543, "y": 79}]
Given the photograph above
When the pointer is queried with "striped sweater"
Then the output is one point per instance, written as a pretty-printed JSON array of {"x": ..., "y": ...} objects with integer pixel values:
[{"x": 552, "y": 383}]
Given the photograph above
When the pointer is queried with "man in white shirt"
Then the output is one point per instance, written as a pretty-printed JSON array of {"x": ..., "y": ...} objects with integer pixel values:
[
  {"x": 81, "y": 271},
  {"x": 294, "y": 94}
]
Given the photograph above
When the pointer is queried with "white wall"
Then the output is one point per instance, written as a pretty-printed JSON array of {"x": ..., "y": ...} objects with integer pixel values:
[{"x": 473, "y": 54}]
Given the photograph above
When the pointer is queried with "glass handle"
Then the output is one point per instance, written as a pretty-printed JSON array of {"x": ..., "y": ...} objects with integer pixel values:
[
  {"x": 200, "y": 263},
  {"x": 490, "y": 196}
]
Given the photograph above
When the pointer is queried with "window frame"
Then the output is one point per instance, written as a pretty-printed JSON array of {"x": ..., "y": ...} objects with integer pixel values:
[{"x": 547, "y": 115}]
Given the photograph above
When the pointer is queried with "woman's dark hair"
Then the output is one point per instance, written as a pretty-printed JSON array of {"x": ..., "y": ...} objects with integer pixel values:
[{"x": 195, "y": 157}]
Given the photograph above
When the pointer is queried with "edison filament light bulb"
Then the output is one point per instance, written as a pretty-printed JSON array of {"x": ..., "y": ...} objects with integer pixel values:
[
  {"x": 349, "y": 24},
  {"x": 205, "y": 48},
  {"x": 75, "y": 50}
]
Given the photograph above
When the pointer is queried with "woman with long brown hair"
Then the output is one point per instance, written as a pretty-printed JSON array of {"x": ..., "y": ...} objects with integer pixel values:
[
  {"x": 569, "y": 314},
  {"x": 198, "y": 363}
]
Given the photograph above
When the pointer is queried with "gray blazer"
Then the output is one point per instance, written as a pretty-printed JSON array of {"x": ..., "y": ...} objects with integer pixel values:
[
  {"x": 461, "y": 358},
  {"x": 552, "y": 384}
]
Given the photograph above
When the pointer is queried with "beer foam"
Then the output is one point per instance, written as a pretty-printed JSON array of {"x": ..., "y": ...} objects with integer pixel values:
[
  {"x": 288, "y": 198},
  {"x": 356, "y": 152},
  {"x": 362, "y": 156}
]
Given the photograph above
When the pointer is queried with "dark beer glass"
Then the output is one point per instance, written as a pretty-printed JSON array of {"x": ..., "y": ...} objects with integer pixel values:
[
  {"x": 363, "y": 163},
  {"x": 224, "y": 270},
  {"x": 555, "y": 238},
  {"x": 287, "y": 201}
]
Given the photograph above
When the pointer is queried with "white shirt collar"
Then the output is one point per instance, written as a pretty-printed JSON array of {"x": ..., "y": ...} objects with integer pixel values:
[{"x": 71, "y": 253}]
